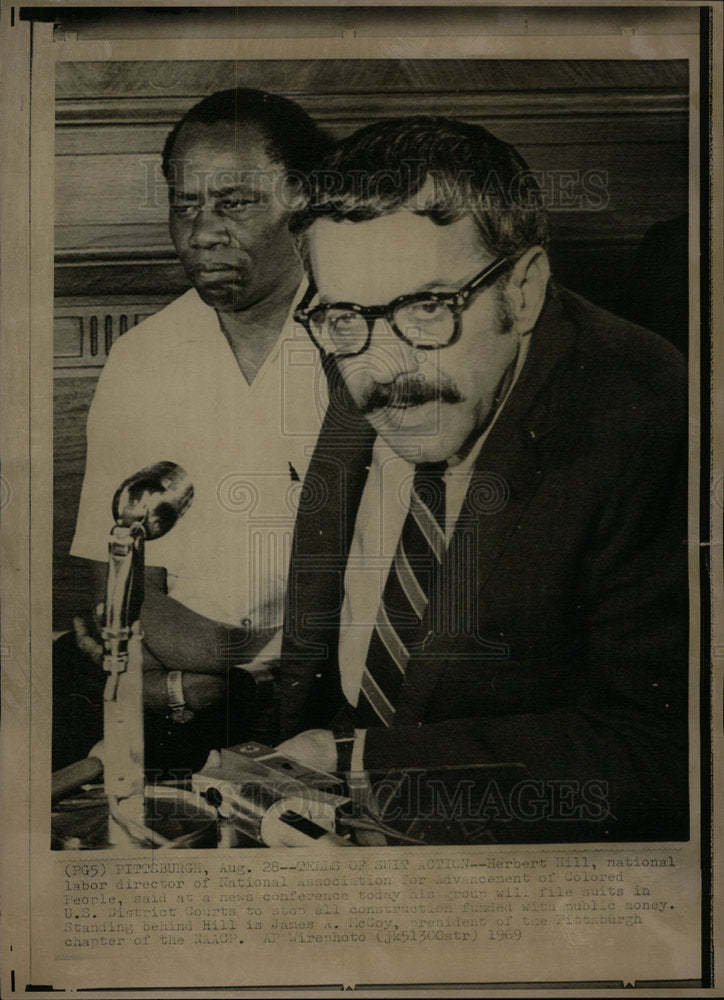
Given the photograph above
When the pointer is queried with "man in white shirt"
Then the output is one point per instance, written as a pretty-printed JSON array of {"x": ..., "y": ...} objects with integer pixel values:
[
  {"x": 222, "y": 383},
  {"x": 497, "y": 577}
]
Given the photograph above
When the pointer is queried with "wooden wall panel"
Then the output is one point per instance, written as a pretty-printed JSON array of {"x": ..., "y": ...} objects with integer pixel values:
[
  {"x": 86, "y": 329},
  {"x": 95, "y": 83},
  {"x": 612, "y": 116},
  {"x": 627, "y": 120},
  {"x": 71, "y": 577}
]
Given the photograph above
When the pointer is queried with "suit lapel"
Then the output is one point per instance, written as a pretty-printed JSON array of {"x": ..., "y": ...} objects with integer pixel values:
[
  {"x": 322, "y": 538},
  {"x": 507, "y": 475}
]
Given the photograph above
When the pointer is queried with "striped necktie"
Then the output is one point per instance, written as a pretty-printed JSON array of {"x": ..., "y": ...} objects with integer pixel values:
[{"x": 410, "y": 585}]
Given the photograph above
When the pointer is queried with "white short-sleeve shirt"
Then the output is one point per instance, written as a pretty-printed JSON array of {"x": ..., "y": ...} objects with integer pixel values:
[{"x": 172, "y": 390}]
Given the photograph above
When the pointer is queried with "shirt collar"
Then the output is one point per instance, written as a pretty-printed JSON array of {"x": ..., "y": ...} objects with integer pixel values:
[{"x": 202, "y": 320}]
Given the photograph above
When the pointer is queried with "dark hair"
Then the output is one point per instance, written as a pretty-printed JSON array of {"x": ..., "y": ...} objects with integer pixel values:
[
  {"x": 385, "y": 166},
  {"x": 290, "y": 135}
]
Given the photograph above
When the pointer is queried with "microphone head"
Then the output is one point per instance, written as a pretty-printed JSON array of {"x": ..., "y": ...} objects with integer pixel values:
[{"x": 155, "y": 497}]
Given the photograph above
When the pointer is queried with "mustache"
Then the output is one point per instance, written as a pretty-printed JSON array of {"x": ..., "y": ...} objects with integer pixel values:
[{"x": 408, "y": 392}]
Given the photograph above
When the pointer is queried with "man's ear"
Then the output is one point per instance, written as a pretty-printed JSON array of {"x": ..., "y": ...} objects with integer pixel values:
[{"x": 526, "y": 290}]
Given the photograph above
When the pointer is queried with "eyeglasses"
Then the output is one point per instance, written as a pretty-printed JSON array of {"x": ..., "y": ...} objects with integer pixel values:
[{"x": 426, "y": 320}]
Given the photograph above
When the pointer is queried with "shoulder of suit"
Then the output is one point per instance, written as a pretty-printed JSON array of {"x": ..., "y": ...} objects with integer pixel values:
[{"x": 623, "y": 359}]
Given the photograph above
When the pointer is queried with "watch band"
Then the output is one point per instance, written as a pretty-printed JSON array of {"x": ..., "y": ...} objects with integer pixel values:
[
  {"x": 344, "y": 753},
  {"x": 344, "y": 734},
  {"x": 178, "y": 710}
]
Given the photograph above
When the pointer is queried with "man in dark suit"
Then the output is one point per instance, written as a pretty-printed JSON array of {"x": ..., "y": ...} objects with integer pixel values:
[{"x": 489, "y": 566}]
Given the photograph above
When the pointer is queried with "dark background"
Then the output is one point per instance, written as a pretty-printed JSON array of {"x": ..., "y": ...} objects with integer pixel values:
[{"x": 115, "y": 263}]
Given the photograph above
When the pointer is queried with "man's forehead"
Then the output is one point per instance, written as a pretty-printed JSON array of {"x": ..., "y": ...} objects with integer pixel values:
[
  {"x": 222, "y": 181},
  {"x": 222, "y": 161},
  {"x": 239, "y": 145},
  {"x": 393, "y": 254}
]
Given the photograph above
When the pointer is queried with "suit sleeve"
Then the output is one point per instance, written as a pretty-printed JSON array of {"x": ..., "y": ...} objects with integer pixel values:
[{"x": 625, "y": 733}]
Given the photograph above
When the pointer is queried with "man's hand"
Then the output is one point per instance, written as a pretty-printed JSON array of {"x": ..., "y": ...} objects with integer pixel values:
[{"x": 314, "y": 748}]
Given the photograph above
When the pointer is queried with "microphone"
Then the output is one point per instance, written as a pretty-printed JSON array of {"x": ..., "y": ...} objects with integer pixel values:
[{"x": 154, "y": 497}]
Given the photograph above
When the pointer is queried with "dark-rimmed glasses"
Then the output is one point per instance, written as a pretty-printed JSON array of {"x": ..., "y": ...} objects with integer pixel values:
[{"x": 425, "y": 320}]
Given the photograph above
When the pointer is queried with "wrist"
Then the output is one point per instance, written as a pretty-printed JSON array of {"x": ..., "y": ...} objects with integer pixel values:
[
  {"x": 155, "y": 694},
  {"x": 349, "y": 743}
]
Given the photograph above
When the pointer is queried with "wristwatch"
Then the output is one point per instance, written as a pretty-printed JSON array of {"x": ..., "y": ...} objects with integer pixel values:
[{"x": 178, "y": 710}]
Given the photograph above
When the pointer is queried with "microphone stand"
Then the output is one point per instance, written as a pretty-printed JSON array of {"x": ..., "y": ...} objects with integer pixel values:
[
  {"x": 145, "y": 506},
  {"x": 124, "y": 778}
]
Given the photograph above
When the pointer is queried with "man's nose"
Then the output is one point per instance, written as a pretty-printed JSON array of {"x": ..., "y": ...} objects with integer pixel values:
[
  {"x": 390, "y": 354},
  {"x": 209, "y": 228}
]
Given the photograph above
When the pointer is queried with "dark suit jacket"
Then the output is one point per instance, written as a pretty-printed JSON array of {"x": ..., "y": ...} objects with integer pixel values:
[{"x": 567, "y": 646}]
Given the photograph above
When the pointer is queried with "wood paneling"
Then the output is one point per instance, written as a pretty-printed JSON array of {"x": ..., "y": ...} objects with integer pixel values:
[
  {"x": 98, "y": 82},
  {"x": 71, "y": 577},
  {"x": 86, "y": 329},
  {"x": 625, "y": 118}
]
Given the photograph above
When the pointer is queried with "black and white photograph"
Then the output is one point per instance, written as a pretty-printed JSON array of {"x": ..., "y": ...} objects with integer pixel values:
[{"x": 379, "y": 380}]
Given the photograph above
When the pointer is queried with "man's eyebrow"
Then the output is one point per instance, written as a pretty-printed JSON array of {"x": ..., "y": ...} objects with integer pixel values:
[
  {"x": 245, "y": 189},
  {"x": 436, "y": 284},
  {"x": 430, "y": 286},
  {"x": 324, "y": 300}
]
